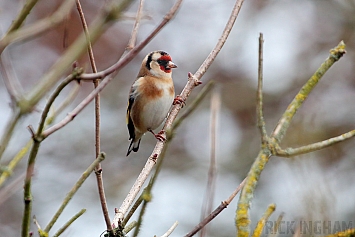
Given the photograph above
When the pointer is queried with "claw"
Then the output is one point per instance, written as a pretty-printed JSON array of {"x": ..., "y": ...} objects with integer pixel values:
[
  {"x": 179, "y": 100},
  {"x": 160, "y": 135}
]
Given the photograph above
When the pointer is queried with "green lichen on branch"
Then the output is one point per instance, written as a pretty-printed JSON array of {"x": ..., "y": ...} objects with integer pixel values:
[
  {"x": 284, "y": 122},
  {"x": 272, "y": 144}
]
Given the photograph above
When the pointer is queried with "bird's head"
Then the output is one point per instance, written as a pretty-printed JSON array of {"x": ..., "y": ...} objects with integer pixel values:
[{"x": 159, "y": 63}]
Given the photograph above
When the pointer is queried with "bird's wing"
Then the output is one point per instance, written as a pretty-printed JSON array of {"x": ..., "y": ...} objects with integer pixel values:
[{"x": 129, "y": 121}]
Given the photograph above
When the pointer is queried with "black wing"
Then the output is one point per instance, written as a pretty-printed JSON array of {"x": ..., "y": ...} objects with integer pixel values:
[{"x": 129, "y": 121}]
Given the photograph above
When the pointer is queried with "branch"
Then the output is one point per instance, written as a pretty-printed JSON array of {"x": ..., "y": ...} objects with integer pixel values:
[
  {"x": 133, "y": 39},
  {"x": 21, "y": 17},
  {"x": 284, "y": 122},
  {"x": 74, "y": 189},
  {"x": 211, "y": 181},
  {"x": 9, "y": 129},
  {"x": 50, "y": 78},
  {"x": 193, "y": 81},
  {"x": 172, "y": 228},
  {"x": 261, "y": 223},
  {"x": 37, "y": 28},
  {"x": 259, "y": 104},
  {"x": 289, "y": 152},
  {"x": 242, "y": 214},
  {"x": 14, "y": 162},
  {"x": 218, "y": 210},
  {"x": 98, "y": 169},
  {"x": 192, "y": 106},
  {"x": 66, "y": 225},
  {"x": 11, "y": 83}
]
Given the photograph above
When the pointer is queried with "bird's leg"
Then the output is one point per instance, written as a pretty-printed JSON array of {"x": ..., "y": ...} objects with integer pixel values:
[
  {"x": 160, "y": 135},
  {"x": 179, "y": 100}
]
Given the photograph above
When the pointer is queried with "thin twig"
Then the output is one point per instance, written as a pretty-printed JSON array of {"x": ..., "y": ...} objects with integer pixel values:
[
  {"x": 67, "y": 101},
  {"x": 14, "y": 162},
  {"x": 211, "y": 181},
  {"x": 11, "y": 188},
  {"x": 21, "y": 17},
  {"x": 146, "y": 197},
  {"x": 9, "y": 129},
  {"x": 133, "y": 39},
  {"x": 192, "y": 83},
  {"x": 98, "y": 169},
  {"x": 68, "y": 223},
  {"x": 218, "y": 210},
  {"x": 290, "y": 152},
  {"x": 74, "y": 189},
  {"x": 114, "y": 68},
  {"x": 172, "y": 228},
  {"x": 192, "y": 106},
  {"x": 274, "y": 232},
  {"x": 129, "y": 227},
  {"x": 49, "y": 104},
  {"x": 284, "y": 122},
  {"x": 12, "y": 85},
  {"x": 259, "y": 104},
  {"x": 75, "y": 50},
  {"x": 261, "y": 223},
  {"x": 36, "y": 28},
  {"x": 18, "y": 157}
]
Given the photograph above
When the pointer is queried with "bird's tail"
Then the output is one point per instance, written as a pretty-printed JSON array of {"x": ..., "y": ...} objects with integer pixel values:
[{"x": 134, "y": 146}]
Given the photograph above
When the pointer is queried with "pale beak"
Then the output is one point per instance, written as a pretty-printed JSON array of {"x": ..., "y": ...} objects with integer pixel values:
[{"x": 171, "y": 65}]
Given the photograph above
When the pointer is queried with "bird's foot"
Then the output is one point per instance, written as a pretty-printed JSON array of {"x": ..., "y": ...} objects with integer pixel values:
[
  {"x": 161, "y": 136},
  {"x": 179, "y": 100}
]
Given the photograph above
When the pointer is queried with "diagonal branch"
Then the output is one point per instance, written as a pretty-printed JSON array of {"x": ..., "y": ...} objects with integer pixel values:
[
  {"x": 261, "y": 223},
  {"x": 218, "y": 210},
  {"x": 193, "y": 81},
  {"x": 13, "y": 86},
  {"x": 37, "y": 28},
  {"x": 133, "y": 39},
  {"x": 21, "y": 17},
  {"x": 284, "y": 122},
  {"x": 74, "y": 189}
]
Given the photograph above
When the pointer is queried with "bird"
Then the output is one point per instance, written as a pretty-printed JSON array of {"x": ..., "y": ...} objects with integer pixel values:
[{"x": 150, "y": 98}]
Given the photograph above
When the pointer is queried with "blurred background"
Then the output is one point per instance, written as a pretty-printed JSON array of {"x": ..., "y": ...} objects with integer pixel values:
[{"x": 298, "y": 36}]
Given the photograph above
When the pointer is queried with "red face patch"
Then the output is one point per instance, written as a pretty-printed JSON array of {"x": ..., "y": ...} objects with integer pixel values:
[
  {"x": 165, "y": 57},
  {"x": 163, "y": 60},
  {"x": 167, "y": 70}
]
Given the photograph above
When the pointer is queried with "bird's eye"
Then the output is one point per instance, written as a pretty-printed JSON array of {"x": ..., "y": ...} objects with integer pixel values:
[{"x": 160, "y": 61}]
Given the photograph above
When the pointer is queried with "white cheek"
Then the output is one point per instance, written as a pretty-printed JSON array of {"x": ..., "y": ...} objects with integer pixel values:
[{"x": 156, "y": 71}]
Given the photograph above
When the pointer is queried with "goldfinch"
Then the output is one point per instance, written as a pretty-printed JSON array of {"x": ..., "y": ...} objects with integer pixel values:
[{"x": 150, "y": 97}]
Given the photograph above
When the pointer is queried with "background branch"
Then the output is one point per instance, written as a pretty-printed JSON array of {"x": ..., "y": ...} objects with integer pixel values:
[
  {"x": 289, "y": 152},
  {"x": 211, "y": 180},
  {"x": 242, "y": 214},
  {"x": 37, "y": 28},
  {"x": 259, "y": 104},
  {"x": 218, "y": 210},
  {"x": 98, "y": 169},
  {"x": 74, "y": 189}
]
